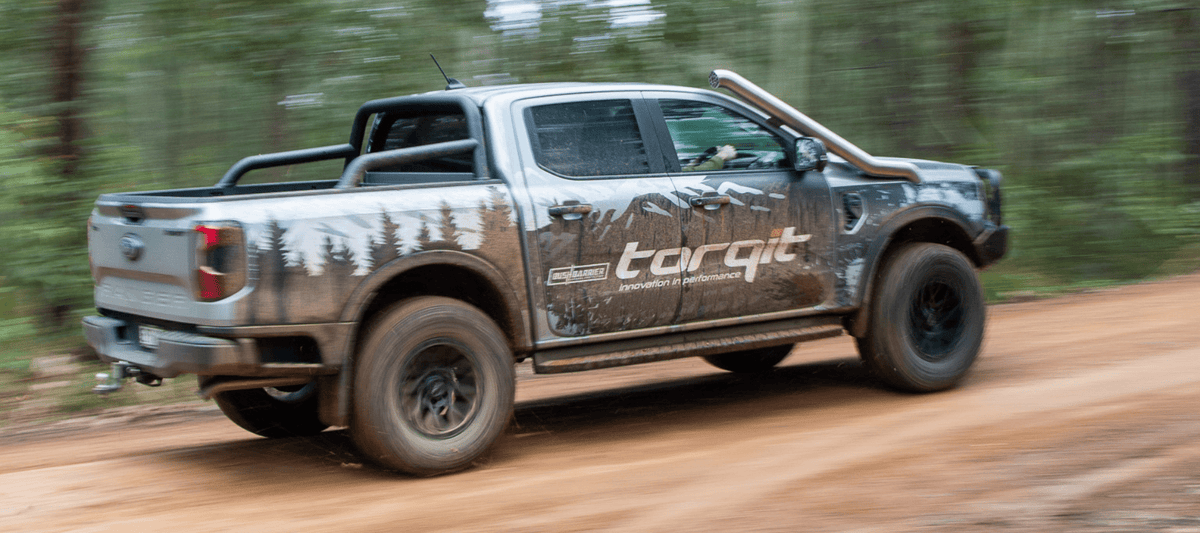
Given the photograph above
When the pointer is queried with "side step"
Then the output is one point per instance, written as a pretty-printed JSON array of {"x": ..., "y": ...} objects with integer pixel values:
[{"x": 687, "y": 344}]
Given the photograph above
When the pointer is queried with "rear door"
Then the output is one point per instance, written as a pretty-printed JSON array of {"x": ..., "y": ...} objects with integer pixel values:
[{"x": 606, "y": 214}]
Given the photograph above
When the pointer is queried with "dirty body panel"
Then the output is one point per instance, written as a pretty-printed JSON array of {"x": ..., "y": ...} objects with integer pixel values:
[{"x": 871, "y": 212}]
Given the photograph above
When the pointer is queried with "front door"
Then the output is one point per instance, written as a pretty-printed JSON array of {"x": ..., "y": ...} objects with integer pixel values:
[{"x": 759, "y": 232}]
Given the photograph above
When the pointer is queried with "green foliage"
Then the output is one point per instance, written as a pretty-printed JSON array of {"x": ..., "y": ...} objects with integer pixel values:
[
  {"x": 15, "y": 334},
  {"x": 45, "y": 254}
]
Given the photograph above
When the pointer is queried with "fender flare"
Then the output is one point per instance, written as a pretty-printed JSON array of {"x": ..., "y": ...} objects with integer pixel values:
[
  {"x": 359, "y": 300},
  {"x": 857, "y": 322}
]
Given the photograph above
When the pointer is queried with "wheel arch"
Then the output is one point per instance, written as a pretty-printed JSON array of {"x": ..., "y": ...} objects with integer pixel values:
[
  {"x": 448, "y": 273},
  {"x": 932, "y": 224}
]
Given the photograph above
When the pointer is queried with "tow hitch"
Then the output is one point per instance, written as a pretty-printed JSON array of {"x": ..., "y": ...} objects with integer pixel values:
[{"x": 113, "y": 380}]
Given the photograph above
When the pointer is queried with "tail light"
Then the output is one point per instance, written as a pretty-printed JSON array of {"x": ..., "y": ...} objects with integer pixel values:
[{"x": 220, "y": 260}]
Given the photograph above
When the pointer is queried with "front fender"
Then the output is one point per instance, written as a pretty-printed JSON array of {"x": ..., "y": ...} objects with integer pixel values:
[{"x": 922, "y": 223}]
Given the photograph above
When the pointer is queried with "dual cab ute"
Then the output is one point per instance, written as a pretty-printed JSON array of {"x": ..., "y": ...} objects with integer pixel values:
[{"x": 581, "y": 226}]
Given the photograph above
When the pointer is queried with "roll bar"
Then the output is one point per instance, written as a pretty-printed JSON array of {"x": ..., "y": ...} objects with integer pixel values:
[
  {"x": 350, "y": 151},
  {"x": 353, "y": 175}
]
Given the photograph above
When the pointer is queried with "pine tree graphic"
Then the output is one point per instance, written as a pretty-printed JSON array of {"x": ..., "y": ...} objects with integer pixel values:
[
  {"x": 386, "y": 246},
  {"x": 273, "y": 269},
  {"x": 449, "y": 229},
  {"x": 424, "y": 239}
]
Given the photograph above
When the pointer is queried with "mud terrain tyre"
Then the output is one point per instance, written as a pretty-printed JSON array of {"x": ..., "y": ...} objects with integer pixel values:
[
  {"x": 750, "y": 361},
  {"x": 926, "y": 319},
  {"x": 273, "y": 413},
  {"x": 434, "y": 387}
]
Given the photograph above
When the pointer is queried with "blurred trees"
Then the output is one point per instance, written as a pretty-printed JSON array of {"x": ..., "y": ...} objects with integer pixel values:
[{"x": 1091, "y": 109}]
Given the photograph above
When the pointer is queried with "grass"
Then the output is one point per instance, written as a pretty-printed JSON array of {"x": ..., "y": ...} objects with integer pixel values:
[
  {"x": 27, "y": 397},
  {"x": 1011, "y": 282},
  {"x": 79, "y": 398}
]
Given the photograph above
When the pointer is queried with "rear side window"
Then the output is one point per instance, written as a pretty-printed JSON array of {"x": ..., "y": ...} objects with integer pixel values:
[
  {"x": 587, "y": 139},
  {"x": 428, "y": 129},
  {"x": 409, "y": 131}
]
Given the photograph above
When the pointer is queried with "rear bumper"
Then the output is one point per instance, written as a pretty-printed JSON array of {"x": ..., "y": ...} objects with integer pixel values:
[{"x": 178, "y": 352}]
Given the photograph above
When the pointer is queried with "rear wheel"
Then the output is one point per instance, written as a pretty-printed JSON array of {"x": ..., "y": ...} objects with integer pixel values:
[
  {"x": 926, "y": 319},
  {"x": 434, "y": 387},
  {"x": 750, "y": 361},
  {"x": 273, "y": 413}
]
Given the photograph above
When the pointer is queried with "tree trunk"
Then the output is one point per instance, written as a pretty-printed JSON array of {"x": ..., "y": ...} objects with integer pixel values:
[
  {"x": 67, "y": 57},
  {"x": 963, "y": 59},
  {"x": 1187, "y": 34},
  {"x": 67, "y": 63}
]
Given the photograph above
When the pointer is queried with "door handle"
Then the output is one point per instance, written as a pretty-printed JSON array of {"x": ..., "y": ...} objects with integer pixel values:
[
  {"x": 570, "y": 211},
  {"x": 710, "y": 202}
]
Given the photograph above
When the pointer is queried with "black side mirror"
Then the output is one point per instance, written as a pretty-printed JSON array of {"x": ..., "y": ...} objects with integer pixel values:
[{"x": 810, "y": 155}]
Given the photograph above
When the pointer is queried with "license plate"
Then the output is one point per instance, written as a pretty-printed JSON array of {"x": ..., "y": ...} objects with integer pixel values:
[{"x": 148, "y": 337}]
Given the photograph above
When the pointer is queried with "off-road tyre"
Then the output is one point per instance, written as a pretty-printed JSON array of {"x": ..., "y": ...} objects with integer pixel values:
[
  {"x": 273, "y": 413},
  {"x": 750, "y": 361},
  {"x": 434, "y": 387},
  {"x": 926, "y": 319}
]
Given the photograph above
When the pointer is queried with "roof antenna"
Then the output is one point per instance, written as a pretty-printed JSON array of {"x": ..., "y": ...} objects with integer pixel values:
[{"x": 451, "y": 83}]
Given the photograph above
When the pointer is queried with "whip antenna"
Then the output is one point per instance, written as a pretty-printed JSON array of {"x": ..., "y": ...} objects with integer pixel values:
[{"x": 451, "y": 83}]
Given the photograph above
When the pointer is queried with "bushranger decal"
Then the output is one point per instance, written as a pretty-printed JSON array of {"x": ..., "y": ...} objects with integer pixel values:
[
  {"x": 578, "y": 274},
  {"x": 745, "y": 254}
]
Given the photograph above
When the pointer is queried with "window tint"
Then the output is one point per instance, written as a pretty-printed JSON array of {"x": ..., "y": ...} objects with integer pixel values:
[
  {"x": 593, "y": 138},
  {"x": 695, "y": 127},
  {"x": 429, "y": 129},
  {"x": 409, "y": 131}
]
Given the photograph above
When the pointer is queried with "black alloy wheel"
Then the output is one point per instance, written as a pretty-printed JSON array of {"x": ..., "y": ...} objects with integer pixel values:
[
  {"x": 926, "y": 319},
  {"x": 438, "y": 391}
]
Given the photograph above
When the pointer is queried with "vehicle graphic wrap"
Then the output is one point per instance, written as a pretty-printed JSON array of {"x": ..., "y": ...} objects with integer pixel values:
[
  {"x": 787, "y": 213},
  {"x": 305, "y": 266},
  {"x": 592, "y": 245},
  {"x": 688, "y": 260}
]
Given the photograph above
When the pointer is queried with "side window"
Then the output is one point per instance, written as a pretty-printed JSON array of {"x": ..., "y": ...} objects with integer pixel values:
[
  {"x": 586, "y": 139},
  {"x": 408, "y": 131},
  {"x": 699, "y": 130}
]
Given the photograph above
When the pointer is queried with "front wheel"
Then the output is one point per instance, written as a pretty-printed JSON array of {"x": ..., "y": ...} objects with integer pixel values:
[
  {"x": 926, "y": 319},
  {"x": 434, "y": 388}
]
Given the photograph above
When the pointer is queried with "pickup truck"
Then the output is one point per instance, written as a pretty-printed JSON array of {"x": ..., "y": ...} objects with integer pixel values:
[{"x": 577, "y": 225}]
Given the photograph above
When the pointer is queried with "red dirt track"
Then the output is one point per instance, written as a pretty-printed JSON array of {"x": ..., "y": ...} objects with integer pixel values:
[{"x": 1081, "y": 415}]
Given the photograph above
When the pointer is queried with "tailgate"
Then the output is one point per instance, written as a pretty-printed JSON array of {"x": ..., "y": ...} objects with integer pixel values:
[{"x": 144, "y": 259}]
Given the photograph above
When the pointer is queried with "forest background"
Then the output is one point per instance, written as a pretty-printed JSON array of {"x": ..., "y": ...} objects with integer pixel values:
[{"x": 1090, "y": 109}]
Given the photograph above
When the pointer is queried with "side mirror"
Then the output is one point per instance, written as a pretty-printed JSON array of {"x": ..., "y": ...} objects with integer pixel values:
[{"x": 810, "y": 155}]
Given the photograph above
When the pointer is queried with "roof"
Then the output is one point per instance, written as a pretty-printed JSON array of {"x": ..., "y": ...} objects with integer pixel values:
[{"x": 525, "y": 90}]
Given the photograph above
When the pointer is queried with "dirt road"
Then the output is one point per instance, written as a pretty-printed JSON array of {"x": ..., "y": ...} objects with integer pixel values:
[{"x": 1081, "y": 415}]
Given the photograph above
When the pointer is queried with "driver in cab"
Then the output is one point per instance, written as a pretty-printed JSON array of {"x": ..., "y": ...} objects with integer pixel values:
[{"x": 712, "y": 159}]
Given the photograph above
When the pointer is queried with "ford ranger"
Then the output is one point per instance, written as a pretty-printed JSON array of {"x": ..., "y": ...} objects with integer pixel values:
[{"x": 576, "y": 225}]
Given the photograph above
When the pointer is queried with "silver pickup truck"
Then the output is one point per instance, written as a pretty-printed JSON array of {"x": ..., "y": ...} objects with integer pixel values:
[{"x": 581, "y": 226}]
